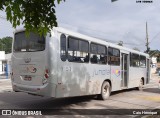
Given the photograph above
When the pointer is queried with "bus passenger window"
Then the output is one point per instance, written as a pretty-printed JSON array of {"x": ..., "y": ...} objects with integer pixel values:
[
  {"x": 134, "y": 60},
  {"x": 86, "y": 59},
  {"x": 113, "y": 56},
  {"x": 98, "y": 54},
  {"x": 102, "y": 54},
  {"x": 142, "y": 61},
  {"x": 94, "y": 59},
  {"x": 78, "y": 50},
  {"x": 63, "y": 47}
]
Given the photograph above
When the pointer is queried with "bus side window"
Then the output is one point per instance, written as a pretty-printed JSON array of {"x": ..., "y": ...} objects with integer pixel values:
[
  {"x": 113, "y": 56},
  {"x": 98, "y": 54},
  {"x": 102, "y": 54},
  {"x": 78, "y": 50},
  {"x": 63, "y": 47},
  {"x": 93, "y": 51},
  {"x": 84, "y": 50},
  {"x": 142, "y": 61},
  {"x": 134, "y": 60}
]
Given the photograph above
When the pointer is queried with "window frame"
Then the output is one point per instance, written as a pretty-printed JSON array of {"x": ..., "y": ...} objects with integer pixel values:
[
  {"x": 106, "y": 52},
  {"x": 27, "y": 42},
  {"x": 65, "y": 47},
  {"x": 131, "y": 60},
  {"x": 79, "y": 39},
  {"x": 113, "y": 55},
  {"x": 140, "y": 61}
]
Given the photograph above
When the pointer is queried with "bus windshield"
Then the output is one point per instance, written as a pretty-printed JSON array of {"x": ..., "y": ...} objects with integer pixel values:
[{"x": 31, "y": 43}]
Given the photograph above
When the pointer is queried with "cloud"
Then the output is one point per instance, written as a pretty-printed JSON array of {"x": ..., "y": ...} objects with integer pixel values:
[
  {"x": 123, "y": 20},
  {"x": 5, "y": 26},
  {"x": 112, "y": 20}
]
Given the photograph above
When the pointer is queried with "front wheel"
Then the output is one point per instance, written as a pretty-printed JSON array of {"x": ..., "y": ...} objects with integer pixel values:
[{"x": 105, "y": 90}]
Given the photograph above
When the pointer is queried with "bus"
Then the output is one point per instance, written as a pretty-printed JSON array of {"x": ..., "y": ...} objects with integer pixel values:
[{"x": 65, "y": 64}]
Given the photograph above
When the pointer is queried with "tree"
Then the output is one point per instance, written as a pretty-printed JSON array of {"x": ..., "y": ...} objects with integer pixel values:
[
  {"x": 36, "y": 15},
  {"x": 120, "y": 43},
  {"x": 6, "y": 44},
  {"x": 135, "y": 48},
  {"x": 155, "y": 53}
]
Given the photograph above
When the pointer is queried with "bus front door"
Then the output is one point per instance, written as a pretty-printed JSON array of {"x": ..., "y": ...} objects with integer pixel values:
[{"x": 124, "y": 70}]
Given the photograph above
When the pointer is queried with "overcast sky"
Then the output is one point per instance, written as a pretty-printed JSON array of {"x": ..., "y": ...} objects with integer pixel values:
[{"x": 124, "y": 20}]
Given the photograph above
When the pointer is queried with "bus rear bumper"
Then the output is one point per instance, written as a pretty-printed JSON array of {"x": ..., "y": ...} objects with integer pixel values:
[{"x": 44, "y": 90}]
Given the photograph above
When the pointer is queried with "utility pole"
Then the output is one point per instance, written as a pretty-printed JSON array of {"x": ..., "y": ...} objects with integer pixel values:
[{"x": 147, "y": 42}]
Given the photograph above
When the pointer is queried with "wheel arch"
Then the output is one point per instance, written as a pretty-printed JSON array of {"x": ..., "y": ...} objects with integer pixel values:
[
  {"x": 108, "y": 80},
  {"x": 102, "y": 95},
  {"x": 143, "y": 80}
]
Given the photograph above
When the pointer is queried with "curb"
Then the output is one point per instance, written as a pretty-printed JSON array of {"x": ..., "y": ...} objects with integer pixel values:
[{"x": 1, "y": 80}]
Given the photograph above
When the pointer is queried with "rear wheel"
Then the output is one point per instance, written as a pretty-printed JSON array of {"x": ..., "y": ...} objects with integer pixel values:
[{"x": 105, "y": 91}]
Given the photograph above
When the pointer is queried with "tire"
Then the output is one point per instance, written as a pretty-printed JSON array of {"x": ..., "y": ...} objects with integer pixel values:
[
  {"x": 141, "y": 85},
  {"x": 105, "y": 91}
]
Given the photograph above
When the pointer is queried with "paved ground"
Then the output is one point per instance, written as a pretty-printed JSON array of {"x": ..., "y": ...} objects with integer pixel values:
[
  {"x": 5, "y": 84},
  {"x": 149, "y": 98}
]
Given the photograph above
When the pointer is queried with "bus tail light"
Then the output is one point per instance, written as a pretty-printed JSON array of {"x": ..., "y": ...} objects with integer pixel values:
[{"x": 46, "y": 76}]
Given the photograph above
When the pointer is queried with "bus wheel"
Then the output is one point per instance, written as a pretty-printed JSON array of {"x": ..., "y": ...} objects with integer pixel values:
[
  {"x": 105, "y": 91},
  {"x": 140, "y": 85}
]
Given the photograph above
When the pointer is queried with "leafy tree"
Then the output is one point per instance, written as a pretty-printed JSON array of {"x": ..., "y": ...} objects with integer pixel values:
[
  {"x": 155, "y": 53},
  {"x": 6, "y": 44},
  {"x": 120, "y": 43},
  {"x": 135, "y": 48},
  {"x": 36, "y": 15}
]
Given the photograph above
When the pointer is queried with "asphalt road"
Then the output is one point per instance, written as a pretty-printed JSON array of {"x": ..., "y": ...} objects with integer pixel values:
[{"x": 149, "y": 98}]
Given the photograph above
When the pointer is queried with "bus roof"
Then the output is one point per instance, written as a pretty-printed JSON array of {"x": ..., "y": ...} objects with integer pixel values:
[
  {"x": 92, "y": 39},
  {"x": 96, "y": 40}
]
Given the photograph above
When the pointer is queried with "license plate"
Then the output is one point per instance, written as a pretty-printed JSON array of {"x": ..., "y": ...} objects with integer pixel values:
[{"x": 27, "y": 78}]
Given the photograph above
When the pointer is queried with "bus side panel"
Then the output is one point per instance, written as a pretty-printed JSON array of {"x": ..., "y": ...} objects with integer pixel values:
[
  {"x": 76, "y": 79},
  {"x": 72, "y": 80},
  {"x": 98, "y": 74},
  {"x": 53, "y": 62},
  {"x": 116, "y": 77},
  {"x": 71, "y": 76},
  {"x": 143, "y": 74},
  {"x": 135, "y": 74}
]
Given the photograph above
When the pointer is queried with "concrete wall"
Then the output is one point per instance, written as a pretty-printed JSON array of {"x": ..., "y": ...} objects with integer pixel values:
[
  {"x": 2, "y": 58},
  {"x": 154, "y": 60}
]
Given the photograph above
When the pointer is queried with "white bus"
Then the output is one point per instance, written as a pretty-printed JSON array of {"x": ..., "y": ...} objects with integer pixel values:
[{"x": 65, "y": 64}]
